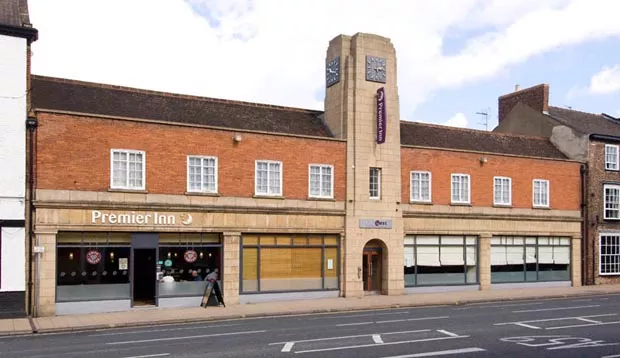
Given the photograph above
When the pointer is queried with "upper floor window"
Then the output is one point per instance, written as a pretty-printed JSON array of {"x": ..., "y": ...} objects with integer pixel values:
[
  {"x": 609, "y": 254},
  {"x": 375, "y": 183},
  {"x": 541, "y": 193},
  {"x": 502, "y": 191},
  {"x": 421, "y": 186},
  {"x": 612, "y": 202},
  {"x": 201, "y": 174},
  {"x": 460, "y": 189},
  {"x": 127, "y": 169},
  {"x": 268, "y": 178},
  {"x": 611, "y": 157},
  {"x": 321, "y": 179}
]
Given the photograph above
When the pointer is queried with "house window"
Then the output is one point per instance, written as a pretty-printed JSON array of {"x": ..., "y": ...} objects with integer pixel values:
[
  {"x": 612, "y": 202},
  {"x": 609, "y": 254},
  {"x": 432, "y": 260},
  {"x": 611, "y": 157},
  {"x": 460, "y": 188},
  {"x": 268, "y": 178},
  {"x": 375, "y": 183},
  {"x": 421, "y": 186},
  {"x": 202, "y": 174},
  {"x": 502, "y": 191},
  {"x": 127, "y": 169},
  {"x": 541, "y": 193},
  {"x": 321, "y": 181},
  {"x": 523, "y": 259}
]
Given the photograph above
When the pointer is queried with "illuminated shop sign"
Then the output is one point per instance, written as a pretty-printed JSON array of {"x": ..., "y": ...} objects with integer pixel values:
[{"x": 133, "y": 218}]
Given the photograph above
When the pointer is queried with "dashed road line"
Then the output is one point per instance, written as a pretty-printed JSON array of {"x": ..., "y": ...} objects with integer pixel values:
[
  {"x": 151, "y": 355},
  {"x": 377, "y": 339},
  {"x": 186, "y": 337},
  {"x": 391, "y": 321},
  {"x": 556, "y": 309},
  {"x": 447, "y": 352}
]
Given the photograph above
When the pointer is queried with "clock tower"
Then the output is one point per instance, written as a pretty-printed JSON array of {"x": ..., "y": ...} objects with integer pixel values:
[{"x": 361, "y": 106}]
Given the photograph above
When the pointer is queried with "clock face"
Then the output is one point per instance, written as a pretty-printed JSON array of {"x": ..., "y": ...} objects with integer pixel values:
[
  {"x": 332, "y": 72},
  {"x": 375, "y": 69}
]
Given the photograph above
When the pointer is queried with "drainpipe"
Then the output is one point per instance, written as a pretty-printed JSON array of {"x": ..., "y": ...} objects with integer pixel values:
[
  {"x": 31, "y": 125},
  {"x": 584, "y": 224}
]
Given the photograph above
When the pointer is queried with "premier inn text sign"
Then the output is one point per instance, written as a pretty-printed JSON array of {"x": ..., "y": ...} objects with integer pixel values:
[{"x": 132, "y": 218}]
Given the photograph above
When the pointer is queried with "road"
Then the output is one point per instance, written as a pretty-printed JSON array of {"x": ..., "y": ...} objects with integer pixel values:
[{"x": 586, "y": 326}]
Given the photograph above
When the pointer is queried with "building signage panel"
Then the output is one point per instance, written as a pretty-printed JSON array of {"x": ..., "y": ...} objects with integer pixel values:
[
  {"x": 375, "y": 223},
  {"x": 381, "y": 116},
  {"x": 133, "y": 218}
]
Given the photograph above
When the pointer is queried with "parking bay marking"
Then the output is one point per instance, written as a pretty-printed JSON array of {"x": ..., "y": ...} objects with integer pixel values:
[
  {"x": 442, "y": 353},
  {"x": 528, "y": 325},
  {"x": 391, "y": 321},
  {"x": 376, "y": 337}
]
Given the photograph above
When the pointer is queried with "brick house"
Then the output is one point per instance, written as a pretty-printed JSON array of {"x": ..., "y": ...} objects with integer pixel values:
[
  {"x": 592, "y": 139},
  {"x": 16, "y": 35},
  {"x": 141, "y": 194}
]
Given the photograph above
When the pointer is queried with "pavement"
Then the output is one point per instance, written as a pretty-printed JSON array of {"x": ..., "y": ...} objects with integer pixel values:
[
  {"x": 155, "y": 316},
  {"x": 583, "y": 325}
]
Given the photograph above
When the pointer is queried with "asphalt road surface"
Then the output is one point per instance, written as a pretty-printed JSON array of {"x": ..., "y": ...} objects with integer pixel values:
[{"x": 587, "y": 326}]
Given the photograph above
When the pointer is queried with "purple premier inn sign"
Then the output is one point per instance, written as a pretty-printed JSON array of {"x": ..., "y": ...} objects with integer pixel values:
[{"x": 381, "y": 115}]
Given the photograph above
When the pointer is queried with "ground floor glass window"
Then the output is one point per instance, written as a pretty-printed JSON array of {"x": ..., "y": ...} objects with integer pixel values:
[
  {"x": 530, "y": 259},
  {"x": 440, "y": 260},
  {"x": 272, "y": 263},
  {"x": 92, "y": 266}
]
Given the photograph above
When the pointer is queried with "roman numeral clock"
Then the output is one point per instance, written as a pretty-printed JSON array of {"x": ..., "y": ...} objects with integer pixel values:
[{"x": 332, "y": 72}]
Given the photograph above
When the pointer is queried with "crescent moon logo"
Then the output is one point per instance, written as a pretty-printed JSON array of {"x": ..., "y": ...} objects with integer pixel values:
[
  {"x": 186, "y": 219},
  {"x": 380, "y": 95}
]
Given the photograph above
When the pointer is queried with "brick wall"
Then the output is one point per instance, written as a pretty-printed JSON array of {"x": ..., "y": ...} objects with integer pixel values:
[
  {"x": 597, "y": 176},
  {"x": 563, "y": 176},
  {"x": 536, "y": 97},
  {"x": 73, "y": 153}
]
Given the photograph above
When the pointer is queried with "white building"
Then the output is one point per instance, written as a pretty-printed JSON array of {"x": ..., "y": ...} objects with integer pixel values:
[{"x": 16, "y": 34}]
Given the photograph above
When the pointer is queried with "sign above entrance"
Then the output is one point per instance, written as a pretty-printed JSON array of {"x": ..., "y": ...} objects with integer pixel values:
[
  {"x": 381, "y": 115},
  {"x": 133, "y": 218},
  {"x": 375, "y": 223}
]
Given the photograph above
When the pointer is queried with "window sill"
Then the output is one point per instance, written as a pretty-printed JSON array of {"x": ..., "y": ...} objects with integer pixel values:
[
  {"x": 320, "y": 199},
  {"x": 541, "y": 207},
  {"x": 279, "y": 197},
  {"x": 117, "y": 190},
  {"x": 502, "y": 205},
  {"x": 460, "y": 204},
  {"x": 198, "y": 193},
  {"x": 414, "y": 202}
]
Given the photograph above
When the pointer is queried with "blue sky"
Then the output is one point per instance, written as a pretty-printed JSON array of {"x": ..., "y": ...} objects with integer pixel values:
[{"x": 455, "y": 57}]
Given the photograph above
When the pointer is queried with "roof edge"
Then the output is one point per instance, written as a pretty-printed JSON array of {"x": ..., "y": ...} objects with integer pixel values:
[
  {"x": 490, "y": 153},
  {"x": 29, "y": 33},
  {"x": 174, "y": 95},
  {"x": 499, "y": 134}
]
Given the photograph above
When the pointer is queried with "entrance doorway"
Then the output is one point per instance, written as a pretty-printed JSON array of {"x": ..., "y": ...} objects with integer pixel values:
[
  {"x": 371, "y": 269},
  {"x": 144, "y": 276}
]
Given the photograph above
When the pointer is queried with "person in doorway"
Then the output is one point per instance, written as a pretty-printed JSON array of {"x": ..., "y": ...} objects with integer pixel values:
[
  {"x": 196, "y": 276},
  {"x": 212, "y": 277}
]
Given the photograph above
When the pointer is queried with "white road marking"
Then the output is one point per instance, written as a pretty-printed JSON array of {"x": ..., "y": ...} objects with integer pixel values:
[
  {"x": 287, "y": 347},
  {"x": 556, "y": 309},
  {"x": 614, "y": 356},
  {"x": 527, "y": 325},
  {"x": 448, "y": 333},
  {"x": 391, "y": 321},
  {"x": 356, "y": 336},
  {"x": 358, "y": 315},
  {"x": 441, "y": 353},
  {"x": 161, "y": 330},
  {"x": 151, "y": 355},
  {"x": 499, "y": 306},
  {"x": 585, "y": 325},
  {"x": 555, "y": 319},
  {"x": 374, "y": 345},
  {"x": 377, "y": 339},
  {"x": 588, "y": 320},
  {"x": 186, "y": 337}
]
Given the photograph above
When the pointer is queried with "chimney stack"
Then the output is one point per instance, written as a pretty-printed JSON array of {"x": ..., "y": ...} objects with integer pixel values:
[{"x": 536, "y": 97}]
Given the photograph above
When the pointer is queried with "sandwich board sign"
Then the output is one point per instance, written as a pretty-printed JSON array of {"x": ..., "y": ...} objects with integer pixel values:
[{"x": 212, "y": 293}]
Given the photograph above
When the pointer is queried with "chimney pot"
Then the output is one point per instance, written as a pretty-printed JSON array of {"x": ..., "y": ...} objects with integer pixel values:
[{"x": 517, "y": 87}]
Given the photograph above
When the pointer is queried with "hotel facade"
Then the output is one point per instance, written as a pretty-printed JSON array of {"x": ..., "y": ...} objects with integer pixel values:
[{"x": 139, "y": 195}]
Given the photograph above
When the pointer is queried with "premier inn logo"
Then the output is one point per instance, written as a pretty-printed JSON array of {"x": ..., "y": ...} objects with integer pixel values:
[{"x": 132, "y": 218}]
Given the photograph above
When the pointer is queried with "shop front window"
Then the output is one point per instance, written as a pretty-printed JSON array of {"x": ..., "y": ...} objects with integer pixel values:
[
  {"x": 272, "y": 263},
  {"x": 92, "y": 266},
  {"x": 185, "y": 261},
  {"x": 432, "y": 260},
  {"x": 529, "y": 259}
]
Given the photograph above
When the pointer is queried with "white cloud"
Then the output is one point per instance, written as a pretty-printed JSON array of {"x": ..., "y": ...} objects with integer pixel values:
[
  {"x": 607, "y": 80},
  {"x": 274, "y": 51},
  {"x": 457, "y": 120}
]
